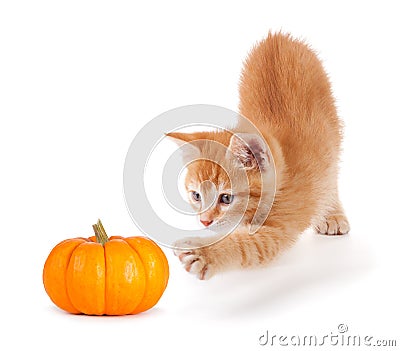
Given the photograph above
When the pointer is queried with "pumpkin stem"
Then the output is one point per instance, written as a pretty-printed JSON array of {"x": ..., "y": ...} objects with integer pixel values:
[{"x": 101, "y": 235}]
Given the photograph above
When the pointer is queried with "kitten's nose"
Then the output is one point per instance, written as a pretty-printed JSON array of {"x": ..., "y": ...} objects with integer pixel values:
[{"x": 206, "y": 223}]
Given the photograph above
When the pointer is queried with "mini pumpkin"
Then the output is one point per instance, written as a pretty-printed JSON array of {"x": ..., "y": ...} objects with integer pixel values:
[{"x": 101, "y": 275}]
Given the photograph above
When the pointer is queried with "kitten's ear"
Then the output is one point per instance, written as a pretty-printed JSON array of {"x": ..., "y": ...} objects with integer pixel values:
[
  {"x": 180, "y": 138},
  {"x": 251, "y": 150},
  {"x": 187, "y": 143}
]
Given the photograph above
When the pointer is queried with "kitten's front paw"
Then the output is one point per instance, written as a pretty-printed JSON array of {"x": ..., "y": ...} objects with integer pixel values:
[{"x": 195, "y": 260}]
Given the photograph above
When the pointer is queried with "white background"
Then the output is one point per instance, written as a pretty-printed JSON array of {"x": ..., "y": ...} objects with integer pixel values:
[{"x": 78, "y": 79}]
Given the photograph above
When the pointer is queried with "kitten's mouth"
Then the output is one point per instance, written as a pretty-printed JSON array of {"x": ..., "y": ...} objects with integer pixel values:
[{"x": 216, "y": 226}]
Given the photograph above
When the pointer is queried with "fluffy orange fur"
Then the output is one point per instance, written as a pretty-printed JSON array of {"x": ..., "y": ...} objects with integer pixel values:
[{"x": 286, "y": 93}]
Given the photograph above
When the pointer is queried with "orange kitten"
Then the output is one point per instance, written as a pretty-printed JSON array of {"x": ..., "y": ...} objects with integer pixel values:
[{"x": 285, "y": 92}]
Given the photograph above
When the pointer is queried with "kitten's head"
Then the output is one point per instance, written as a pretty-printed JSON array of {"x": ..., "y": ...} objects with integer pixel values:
[{"x": 229, "y": 176}]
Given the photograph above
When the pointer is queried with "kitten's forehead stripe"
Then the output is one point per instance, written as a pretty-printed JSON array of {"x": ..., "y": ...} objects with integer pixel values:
[{"x": 204, "y": 171}]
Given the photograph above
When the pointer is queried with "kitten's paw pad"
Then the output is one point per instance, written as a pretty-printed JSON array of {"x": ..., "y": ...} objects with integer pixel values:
[
  {"x": 334, "y": 225},
  {"x": 196, "y": 263},
  {"x": 194, "y": 260}
]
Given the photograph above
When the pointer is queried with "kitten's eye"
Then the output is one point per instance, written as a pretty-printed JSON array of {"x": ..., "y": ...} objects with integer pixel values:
[
  {"x": 226, "y": 199},
  {"x": 196, "y": 196}
]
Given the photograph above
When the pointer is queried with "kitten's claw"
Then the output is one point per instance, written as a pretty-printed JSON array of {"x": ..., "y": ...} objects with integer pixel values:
[{"x": 195, "y": 261}]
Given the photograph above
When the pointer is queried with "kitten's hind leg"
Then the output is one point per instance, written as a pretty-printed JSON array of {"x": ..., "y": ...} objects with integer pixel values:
[{"x": 334, "y": 223}]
